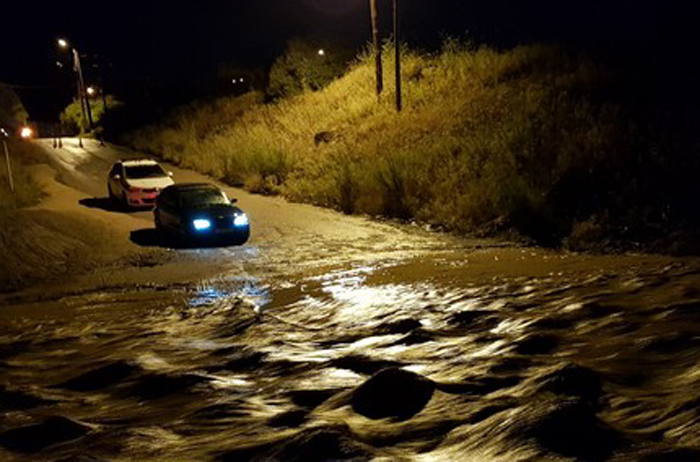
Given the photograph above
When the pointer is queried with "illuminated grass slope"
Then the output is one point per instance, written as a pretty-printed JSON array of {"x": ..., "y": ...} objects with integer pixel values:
[{"x": 535, "y": 139}]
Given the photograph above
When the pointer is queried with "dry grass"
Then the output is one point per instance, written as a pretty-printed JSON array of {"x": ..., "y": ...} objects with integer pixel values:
[{"x": 523, "y": 138}]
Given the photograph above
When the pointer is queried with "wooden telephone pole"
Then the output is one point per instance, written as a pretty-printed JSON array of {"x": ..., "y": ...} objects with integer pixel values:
[
  {"x": 397, "y": 43},
  {"x": 377, "y": 47}
]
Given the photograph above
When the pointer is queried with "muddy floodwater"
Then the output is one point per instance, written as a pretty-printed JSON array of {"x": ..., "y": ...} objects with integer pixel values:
[{"x": 488, "y": 354}]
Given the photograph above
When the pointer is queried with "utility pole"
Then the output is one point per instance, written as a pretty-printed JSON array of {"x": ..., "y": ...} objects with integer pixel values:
[
  {"x": 377, "y": 47},
  {"x": 397, "y": 43},
  {"x": 83, "y": 92},
  {"x": 79, "y": 78}
]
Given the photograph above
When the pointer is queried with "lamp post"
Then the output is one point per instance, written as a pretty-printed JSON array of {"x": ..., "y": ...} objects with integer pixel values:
[{"x": 82, "y": 96}]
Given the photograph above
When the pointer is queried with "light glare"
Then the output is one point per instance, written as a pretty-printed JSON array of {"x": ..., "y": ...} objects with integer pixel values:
[
  {"x": 26, "y": 132},
  {"x": 201, "y": 224},
  {"x": 240, "y": 220}
]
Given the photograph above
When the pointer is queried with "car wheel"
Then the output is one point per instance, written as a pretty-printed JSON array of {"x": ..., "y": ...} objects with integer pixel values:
[
  {"x": 124, "y": 202},
  {"x": 112, "y": 196},
  {"x": 159, "y": 224},
  {"x": 240, "y": 239}
]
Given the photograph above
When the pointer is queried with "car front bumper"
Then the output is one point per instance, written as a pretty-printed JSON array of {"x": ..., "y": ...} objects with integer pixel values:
[
  {"x": 219, "y": 234},
  {"x": 142, "y": 197}
]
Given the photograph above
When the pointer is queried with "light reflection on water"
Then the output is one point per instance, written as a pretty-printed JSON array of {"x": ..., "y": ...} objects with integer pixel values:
[{"x": 194, "y": 373}]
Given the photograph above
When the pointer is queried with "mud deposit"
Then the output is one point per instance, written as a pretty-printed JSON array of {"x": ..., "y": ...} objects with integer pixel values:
[{"x": 441, "y": 358}]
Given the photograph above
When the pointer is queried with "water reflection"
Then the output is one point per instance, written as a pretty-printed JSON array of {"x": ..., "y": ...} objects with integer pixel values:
[{"x": 519, "y": 363}]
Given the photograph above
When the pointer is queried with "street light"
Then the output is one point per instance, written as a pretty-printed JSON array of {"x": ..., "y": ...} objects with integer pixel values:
[
  {"x": 84, "y": 104},
  {"x": 91, "y": 91},
  {"x": 322, "y": 52}
]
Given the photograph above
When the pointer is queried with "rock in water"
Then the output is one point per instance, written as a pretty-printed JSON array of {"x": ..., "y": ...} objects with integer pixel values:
[
  {"x": 573, "y": 430},
  {"x": 574, "y": 380},
  {"x": 34, "y": 438},
  {"x": 100, "y": 378},
  {"x": 392, "y": 393}
]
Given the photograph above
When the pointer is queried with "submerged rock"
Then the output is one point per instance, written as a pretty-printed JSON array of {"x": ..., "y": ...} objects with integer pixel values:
[
  {"x": 13, "y": 399},
  {"x": 572, "y": 429},
  {"x": 416, "y": 337},
  {"x": 479, "y": 386},
  {"x": 574, "y": 380},
  {"x": 322, "y": 445},
  {"x": 392, "y": 393},
  {"x": 402, "y": 326},
  {"x": 362, "y": 364},
  {"x": 507, "y": 365},
  {"x": 537, "y": 345},
  {"x": 100, "y": 378},
  {"x": 313, "y": 445},
  {"x": 672, "y": 455},
  {"x": 34, "y": 438},
  {"x": 483, "y": 319},
  {"x": 289, "y": 419},
  {"x": 154, "y": 386},
  {"x": 310, "y": 399}
]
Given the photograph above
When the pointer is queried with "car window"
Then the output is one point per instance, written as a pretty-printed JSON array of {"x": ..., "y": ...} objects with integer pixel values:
[
  {"x": 138, "y": 172},
  {"x": 203, "y": 197}
]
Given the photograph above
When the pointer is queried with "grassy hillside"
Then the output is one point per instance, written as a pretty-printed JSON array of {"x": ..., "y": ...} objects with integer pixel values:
[{"x": 535, "y": 139}]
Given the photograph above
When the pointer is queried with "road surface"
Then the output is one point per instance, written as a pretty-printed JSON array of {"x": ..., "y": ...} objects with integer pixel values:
[{"x": 273, "y": 350}]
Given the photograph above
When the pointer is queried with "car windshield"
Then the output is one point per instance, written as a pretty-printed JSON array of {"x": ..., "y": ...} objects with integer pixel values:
[
  {"x": 203, "y": 198},
  {"x": 138, "y": 172}
]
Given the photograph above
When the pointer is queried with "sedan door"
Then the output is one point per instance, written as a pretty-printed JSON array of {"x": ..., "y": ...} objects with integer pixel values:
[
  {"x": 115, "y": 180},
  {"x": 169, "y": 210}
]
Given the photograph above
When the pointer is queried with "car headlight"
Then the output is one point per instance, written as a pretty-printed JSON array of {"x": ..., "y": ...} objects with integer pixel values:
[
  {"x": 201, "y": 224},
  {"x": 240, "y": 220}
]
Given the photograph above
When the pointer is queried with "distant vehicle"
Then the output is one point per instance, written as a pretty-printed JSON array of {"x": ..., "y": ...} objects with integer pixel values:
[
  {"x": 201, "y": 212},
  {"x": 137, "y": 182}
]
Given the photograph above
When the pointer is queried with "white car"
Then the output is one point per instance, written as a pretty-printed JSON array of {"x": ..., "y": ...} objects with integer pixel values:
[{"x": 137, "y": 182}]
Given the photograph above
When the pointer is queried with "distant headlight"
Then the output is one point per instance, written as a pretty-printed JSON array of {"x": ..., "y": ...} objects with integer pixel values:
[
  {"x": 240, "y": 220},
  {"x": 201, "y": 224}
]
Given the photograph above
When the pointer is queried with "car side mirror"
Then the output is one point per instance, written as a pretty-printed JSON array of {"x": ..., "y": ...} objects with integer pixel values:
[
  {"x": 170, "y": 173},
  {"x": 117, "y": 177},
  {"x": 234, "y": 200}
]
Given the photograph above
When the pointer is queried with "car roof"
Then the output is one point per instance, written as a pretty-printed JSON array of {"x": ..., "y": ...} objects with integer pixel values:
[
  {"x": 136, "y": 162},
  {"x": 180, "y": 187}
]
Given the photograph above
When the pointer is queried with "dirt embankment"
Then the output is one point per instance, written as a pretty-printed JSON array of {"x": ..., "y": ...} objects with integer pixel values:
[{"x": 56, "y": 239}]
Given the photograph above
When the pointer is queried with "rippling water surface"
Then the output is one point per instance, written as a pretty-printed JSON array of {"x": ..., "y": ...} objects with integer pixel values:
[{"x": 533, "y": 358}]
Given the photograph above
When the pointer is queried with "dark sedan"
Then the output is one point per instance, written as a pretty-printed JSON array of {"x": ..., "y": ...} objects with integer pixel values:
[{"x": 200, "y": 212}]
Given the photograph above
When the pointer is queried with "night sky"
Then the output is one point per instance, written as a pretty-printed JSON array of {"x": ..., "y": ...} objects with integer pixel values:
[{"x": 176, "y": 47}]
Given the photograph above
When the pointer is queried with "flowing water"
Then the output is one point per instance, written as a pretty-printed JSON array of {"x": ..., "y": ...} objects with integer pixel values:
[{"x": 530, "y": 356}]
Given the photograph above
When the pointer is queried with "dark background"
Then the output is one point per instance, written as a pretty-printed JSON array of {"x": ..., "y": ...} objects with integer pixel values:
[{"x": 168, "y": 52}]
